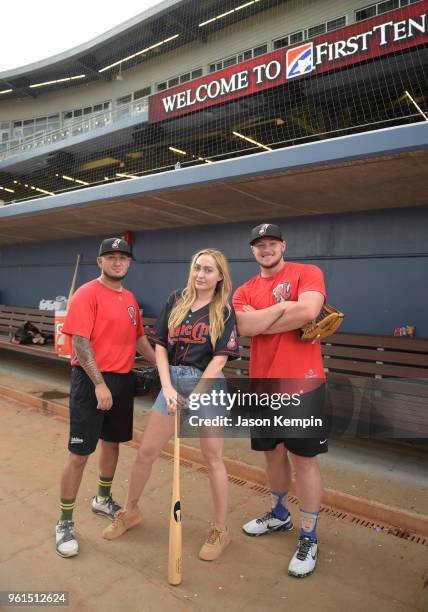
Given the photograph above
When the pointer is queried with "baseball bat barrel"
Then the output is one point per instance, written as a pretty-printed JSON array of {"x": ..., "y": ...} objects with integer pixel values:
[{"x": 174, "y": 558}]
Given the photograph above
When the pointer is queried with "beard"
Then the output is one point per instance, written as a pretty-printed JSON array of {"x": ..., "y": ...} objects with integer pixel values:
[
  {"x": 114, "y": 278},
  {"x": 273, "y": 264}
]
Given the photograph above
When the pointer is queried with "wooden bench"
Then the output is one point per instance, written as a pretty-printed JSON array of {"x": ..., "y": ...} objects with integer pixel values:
[
  {"x": 374, "y": 382},
  {"x": 376, "y": 385},
  {"x": 378, "y": 382},
  {"x": 12, "y": 317}
]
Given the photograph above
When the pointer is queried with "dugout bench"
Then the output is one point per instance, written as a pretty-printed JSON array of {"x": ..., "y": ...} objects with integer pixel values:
[
  {"x": 12, "y": 317},
  {"x": 376, "y": 385},
  {"x": 374, "y": 381}
]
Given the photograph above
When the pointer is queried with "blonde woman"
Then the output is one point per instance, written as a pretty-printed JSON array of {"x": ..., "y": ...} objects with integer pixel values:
[{"x": 195, "y": 336}]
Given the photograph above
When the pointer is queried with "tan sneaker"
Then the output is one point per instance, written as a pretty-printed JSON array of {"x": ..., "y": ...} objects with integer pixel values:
[
  {"x": 122, "y": 522},
  {"x": 215, "y": 544}
]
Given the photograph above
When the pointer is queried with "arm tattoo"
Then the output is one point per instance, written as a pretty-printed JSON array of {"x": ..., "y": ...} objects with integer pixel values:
[{"x": 83, "y": 351}]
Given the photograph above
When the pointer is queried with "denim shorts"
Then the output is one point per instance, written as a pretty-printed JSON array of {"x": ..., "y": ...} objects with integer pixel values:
[{"x": 184, "y": 379}]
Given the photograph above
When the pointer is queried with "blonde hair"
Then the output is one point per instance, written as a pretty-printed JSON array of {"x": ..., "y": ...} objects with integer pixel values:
[{"x": 218, "y": 303}]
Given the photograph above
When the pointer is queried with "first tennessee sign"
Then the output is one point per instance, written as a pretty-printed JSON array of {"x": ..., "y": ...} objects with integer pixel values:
[{"x": 369, "y": 39}]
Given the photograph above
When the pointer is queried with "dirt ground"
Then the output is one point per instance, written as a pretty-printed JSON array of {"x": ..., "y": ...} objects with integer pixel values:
[
  {"x": 358, "y": 569},
  {"x": 394, "y": 476}
]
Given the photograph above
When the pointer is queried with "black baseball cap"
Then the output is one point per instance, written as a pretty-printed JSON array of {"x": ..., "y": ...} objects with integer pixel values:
[
  {"x": 114, "y": 245},
  {"x": 266, "y": 230}
]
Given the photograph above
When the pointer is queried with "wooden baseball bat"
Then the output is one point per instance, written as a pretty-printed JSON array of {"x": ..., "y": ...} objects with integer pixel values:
[
  {"x": 73, "y": 282},
  {"x": 174, "y": 558}
]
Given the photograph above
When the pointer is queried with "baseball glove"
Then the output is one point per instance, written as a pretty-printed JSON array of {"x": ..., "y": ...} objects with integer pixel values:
[
  {"x": 146, "y": 381},
  {"x": 327, "y": 322}
]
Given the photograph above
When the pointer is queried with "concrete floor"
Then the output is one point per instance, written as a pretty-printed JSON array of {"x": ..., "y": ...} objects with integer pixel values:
[{"x": 359, "y": 569}]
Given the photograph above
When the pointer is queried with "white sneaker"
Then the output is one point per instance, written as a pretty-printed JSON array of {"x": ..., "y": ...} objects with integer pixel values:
[
  {"x": 107, "y": 507},
  {"x": 304, "y": 559},
  {"x": 266, "y": 524},
  {"x": 66, "y": 543}
]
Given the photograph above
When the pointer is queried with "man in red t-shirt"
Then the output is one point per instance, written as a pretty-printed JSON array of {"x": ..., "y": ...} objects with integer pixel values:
[
  {"x": 105, "y": 324},
  {"x": 271, "y": 308}
]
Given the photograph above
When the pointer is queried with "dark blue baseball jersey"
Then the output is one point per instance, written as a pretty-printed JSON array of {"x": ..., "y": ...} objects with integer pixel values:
[{"x": 190, "y": 343}]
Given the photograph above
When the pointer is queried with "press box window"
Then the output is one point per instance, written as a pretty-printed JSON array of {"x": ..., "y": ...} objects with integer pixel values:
[
  {"x": 142, "y": 93},
  {"x": 380, "y": 8},
  {"x": 335, "y": 24},
  {"x": 384, "y": 7},
  {"x": 230, "y": 61},
  {"x": 280, "y": 43},
  {"x": 316, "y": 30},
  {"x": 259, "y": 50},
  {"x": 246, "y": 55},
  {"x": 124, "y": 100},
  {"x": 296, "y": 37}
]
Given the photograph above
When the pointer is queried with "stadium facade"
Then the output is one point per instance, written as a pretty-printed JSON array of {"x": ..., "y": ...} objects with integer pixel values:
[{"x": 192, "y": 122}]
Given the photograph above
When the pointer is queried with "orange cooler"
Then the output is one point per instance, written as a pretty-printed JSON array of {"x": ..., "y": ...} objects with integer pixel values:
[{"x": 62, "y": 341}]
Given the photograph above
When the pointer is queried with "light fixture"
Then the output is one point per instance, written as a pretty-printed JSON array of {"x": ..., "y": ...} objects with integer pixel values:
[
  {"x": 259, "y": 144},
  {"x": 99, "y": 163},
  {"x": 222, "y": 15},
  {"x": 417, "y": 106},
  {"x": 123, "y": 175},
  {"x": 43, "y": 191},
  {"x": 135, "y": 154},
  {"x": 207, "y": 161},
  {"x": 73, "y": 78},
  {"x": 130, "y": 57},
  {"x": 7, "y": 189},
  {"x": 73, "y": 180},
  {"x": 179, "y": 151},
  {"x": 5, "y": 91}
]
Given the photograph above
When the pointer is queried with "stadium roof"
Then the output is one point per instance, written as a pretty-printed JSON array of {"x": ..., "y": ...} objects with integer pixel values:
[
  {"x": 160, "y": 29},
  {"x": 375, "y": 170}
]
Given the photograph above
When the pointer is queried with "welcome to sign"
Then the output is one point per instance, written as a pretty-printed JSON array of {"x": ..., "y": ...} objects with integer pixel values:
[{"x": 372, "y": 38}]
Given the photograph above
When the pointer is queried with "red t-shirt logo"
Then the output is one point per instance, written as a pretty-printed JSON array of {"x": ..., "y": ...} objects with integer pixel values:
[
  {"x": 282, "y": 292},
  {"x": 132, "y": 315}
]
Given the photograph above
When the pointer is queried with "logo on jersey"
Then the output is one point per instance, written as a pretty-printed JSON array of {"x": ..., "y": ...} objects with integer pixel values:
[
  {"x": 191, "y": 334},
  {"x": 132, "y": 315},
  {"x": 300, "y": 60},
  {"x": 116, "y": 244},
  {"x": 233, "y": 340},
  {"x": 282, "y": 292}
]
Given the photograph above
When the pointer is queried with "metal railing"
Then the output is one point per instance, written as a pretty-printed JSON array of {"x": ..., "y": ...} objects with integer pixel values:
[{"x": 85, "y": 124}]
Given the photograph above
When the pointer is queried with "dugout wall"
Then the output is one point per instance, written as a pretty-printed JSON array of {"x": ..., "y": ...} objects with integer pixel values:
[{"x": 374, "y": 263}]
